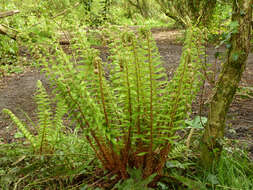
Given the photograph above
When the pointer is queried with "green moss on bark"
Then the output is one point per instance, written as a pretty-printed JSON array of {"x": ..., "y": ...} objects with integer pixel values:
[{"x": 211, "y": 143}]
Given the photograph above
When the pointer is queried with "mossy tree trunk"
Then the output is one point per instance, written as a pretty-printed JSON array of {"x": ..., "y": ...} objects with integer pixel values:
[
  {"x": 198, "y": 11},
  {"x": 211, "y": 143},
  {"x": 142, "y": 6}
]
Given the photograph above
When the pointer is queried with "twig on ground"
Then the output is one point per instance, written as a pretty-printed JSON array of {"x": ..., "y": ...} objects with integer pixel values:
[
  {"x": 188, "y": 141},
  {"x": 101, "y": 179},
  {"x": 5, "y": 31},
  {"x": 8, "y": 13}
]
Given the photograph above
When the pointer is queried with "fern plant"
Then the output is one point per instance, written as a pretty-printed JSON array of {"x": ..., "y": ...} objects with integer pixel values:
[
  {"x": 49, "y": 126},
  {"x": 127, "y": 109}
]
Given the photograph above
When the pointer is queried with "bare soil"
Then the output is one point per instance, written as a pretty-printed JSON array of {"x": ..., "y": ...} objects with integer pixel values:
[{"x": 17, "y": 93}]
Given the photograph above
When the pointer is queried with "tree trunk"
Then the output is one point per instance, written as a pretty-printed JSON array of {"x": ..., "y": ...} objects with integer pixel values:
[
  {"x": 207, "y": 11},
  {"x": 197, "y": 10},
  {"x": 211, "y": 143}
]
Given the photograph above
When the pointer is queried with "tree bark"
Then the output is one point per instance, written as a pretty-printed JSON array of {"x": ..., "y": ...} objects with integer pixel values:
[
  {"x": 142, "y": 6},
  {"x": 207, "y": 11},
  {"x": 199, "y": 11},
  {"x": 211, "y": 143}
]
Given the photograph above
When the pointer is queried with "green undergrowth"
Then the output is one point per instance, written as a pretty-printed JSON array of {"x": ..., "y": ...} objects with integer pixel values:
[
  {"x": 20, "y": 168},
  {"x": 49, "y": 154},
  {"x": 234, "y": 171},
  {"x": 109, "y": 106},
  {"x": 39, "y": 21},
  {"x": 112, "y": 107},
  {"x": 114, "y": 124}
]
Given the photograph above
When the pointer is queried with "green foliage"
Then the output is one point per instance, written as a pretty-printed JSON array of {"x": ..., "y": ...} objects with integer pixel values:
[
  {"x": 135, "y": 182},
  {"x": 8, "y": 51},
  {"x": 126, "y": 109},
  {"x": 22, "y": 169},
  {"x": 57, "y": 156},
  {"x": 239, "y": 168},
  {"x": 234, "y": 171},
  {"x": 49, "y": 128},
  {"x": 245, "y": 92},
  {"x": 9, "y": 155},
  {"x": 220, "y": 22},
  {"x": 21, "y": 126},
  {"x": 197, "y": 123},
  {"x": 146, "y": 8},
  {"x": 183, "y": 11}
]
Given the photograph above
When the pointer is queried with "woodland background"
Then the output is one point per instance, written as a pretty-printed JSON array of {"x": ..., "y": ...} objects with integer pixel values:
[{"x": 126, "y": 94}]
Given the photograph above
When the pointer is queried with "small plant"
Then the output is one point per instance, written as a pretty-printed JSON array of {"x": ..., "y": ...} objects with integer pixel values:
[
  {"x": 135, "y": 181},
  {"x": 49, "y": 128},
  {"x": 197, "y": 123},
  {"x": 8, "y": 51}
]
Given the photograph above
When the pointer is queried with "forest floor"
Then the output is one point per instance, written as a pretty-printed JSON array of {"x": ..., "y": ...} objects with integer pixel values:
[{"x": 17, "y": 92}]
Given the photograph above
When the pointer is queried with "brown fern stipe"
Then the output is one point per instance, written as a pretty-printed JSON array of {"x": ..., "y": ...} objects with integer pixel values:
[{"x": 127, "y": 109}]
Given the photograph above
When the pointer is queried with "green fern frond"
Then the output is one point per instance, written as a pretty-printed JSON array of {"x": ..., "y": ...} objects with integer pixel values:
[
  {"x": 177, "y": 151},
  {"x": 20, "y": 126},
  {"x": 184, "y": 86},
  {"x": 56, "y": 132},
  {"x": 44, "y": 116},
  {"x": 49, "y": 126}
]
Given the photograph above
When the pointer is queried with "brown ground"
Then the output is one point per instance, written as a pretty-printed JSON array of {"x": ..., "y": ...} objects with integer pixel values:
[{"x": 16, "y": 93}]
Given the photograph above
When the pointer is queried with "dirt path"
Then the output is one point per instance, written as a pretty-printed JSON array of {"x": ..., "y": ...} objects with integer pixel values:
[
  {"x": 240, "y": 116},
  {"x": 19, "y": 90},
  {"x": 18, "y": 97}
]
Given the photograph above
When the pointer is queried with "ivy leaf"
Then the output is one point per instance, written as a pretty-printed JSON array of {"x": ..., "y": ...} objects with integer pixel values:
[
  {"x": 196, "y": 122},
  {"x": 162, "y": 185},
  {"x": 217, "y": 54},
  {"x": 18, "y": 135},
  {"x": 234, "y": 27},
  {"x": 242, "y": 13},
  {"x": 235, "y": 56},
  {"x": 234, "y": 24},
  {"x": 228, "y": 46},
  {"x": 212, "y": 179},
  {"x": 175, "y": 164}
]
